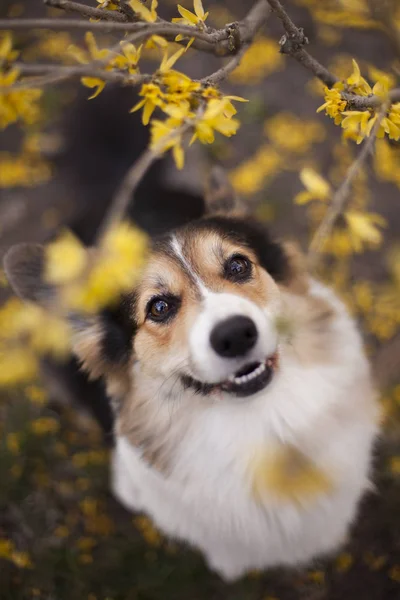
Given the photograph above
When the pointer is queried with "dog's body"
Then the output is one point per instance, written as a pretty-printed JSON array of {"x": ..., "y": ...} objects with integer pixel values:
[{"x": 246, "y": 413}]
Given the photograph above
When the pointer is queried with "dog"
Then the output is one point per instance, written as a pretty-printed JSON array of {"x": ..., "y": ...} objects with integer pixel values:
[{"x": 245, "y": 412}]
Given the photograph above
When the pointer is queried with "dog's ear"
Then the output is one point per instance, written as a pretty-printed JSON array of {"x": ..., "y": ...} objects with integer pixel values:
[
  {"x": 102, "y": 342},
  {"x": 24, "y": 267},
  {"x": 220, "y": 196}
]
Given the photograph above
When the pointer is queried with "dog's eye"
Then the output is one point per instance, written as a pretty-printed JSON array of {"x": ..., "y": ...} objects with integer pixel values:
[
  {"x": 238, "y": 268},
  {"x": 160, "y": 308}
]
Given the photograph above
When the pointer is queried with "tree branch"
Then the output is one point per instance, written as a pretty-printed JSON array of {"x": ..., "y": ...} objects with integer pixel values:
[
  {"x": 340, "y": 197},
  {"x": 87, "y": 11},
  {"x": 54, "y": 73},
  {"x": 293, "y": 43},
  {"x": 224, "y": 71}
]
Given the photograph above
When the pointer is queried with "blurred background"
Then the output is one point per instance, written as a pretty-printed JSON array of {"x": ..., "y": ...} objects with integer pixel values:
[{"x": 62, "y": 535}]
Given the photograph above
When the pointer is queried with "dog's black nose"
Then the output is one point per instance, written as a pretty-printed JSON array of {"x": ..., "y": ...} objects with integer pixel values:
[{"x": 234, "y": 337}]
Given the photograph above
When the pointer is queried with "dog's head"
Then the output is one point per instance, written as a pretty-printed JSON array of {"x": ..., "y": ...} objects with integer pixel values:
[{"x": 203, "y": 313}]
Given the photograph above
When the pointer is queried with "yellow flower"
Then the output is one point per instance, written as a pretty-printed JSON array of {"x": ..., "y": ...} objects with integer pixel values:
[
  {"x": 363, "y": 229},
  {"x": 6, "y": 548},
  {"x": 292, "y": 134},
  {"x": 383, "y": 81},
  {"x": 163, "y": 138},
  {"x": 65, "y": 259},
  {"x": 144, "y": 13},
  {"x": 130, "y": 58},
  {"x": 84, "y": 57},
  {"x": 334, "y": 104},
  {"x": 317, "y": 188},
  {"x": 357, "y": 124},
  {"x": 114, "y": 271},
  {"x": 17, "y": 365},
  {"x": 13, "y": 443},
  {"x": 107, "y": 4},
  {"x": 168, "y": 61},
  {"x": 259, "y": 61},
  {"x": 215, "y": 118},
  {"x": 7, "y": 54},
  {"x": 357, "y": 83},
  {"x": 45, "y": 425},
  {"x": 288, "y": 475},
  {"x": 249, "y": 177},
  {"x": 152, "y": 97},
  {"x": 148, "y": 531},
  {"x": 17, "y": 104},
  {"x": 195, "y": 19},
  {"x": 22, "y": 170},
  {"x": 21, "y": 560}
]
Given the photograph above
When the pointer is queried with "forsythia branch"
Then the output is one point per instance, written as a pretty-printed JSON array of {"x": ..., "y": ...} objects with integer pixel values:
[
  {"x": 342, "y": 193},
  {"x": 293, "y": 43}
]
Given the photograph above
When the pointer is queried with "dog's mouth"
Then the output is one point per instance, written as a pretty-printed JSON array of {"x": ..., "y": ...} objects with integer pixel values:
[{"x": 249, "y": 379}]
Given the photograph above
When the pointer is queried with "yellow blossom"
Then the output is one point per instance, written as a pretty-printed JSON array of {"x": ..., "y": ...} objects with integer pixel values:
[
  {"x": 250, "y": 176},
  {"x": 21, "y": 559},
  {"x": 114, "y": 270},
  {"x": 6, "y": 548},
  {"x": 163, "y": 139},
  {"x": 152, "y": 97},
  {"x": 384, "y": 81},
  {"x": 22, "y": 170},
  {"x": 13, "y": 443},
  {"x": 93, "y": 53},
  {"x": 259, "y": 61},
  {"x": 149, "y": 15},
  {"x": 215, "y": 118},
  {"x": 344, "y": 562},
  {"x": 168, "y": 62},
  {"x": 45, "y": 425},
  {"x": 17, "y": 104},
  {"x": 65, "y": 259},
  {"x": 17, "y": 365},
  {"x": 148, "y": 531},
  {"x": 7, "y": 54},
  {"x": 334, "y": 103},
  {"x": 195, "y": 19},
  {"x": 107, "y": 4},
  {"x": 290, "y": 133},
  {"x": 287, "y": 474},
  {"x": 363, "y": 229},
  {"x": 357, "y": 83},
  {"x": 129, "y": 59},
  {"x": 317, "y": 188}
]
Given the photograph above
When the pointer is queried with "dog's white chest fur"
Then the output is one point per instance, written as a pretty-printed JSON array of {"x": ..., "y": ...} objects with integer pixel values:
[{"x": 212, "y": 496}]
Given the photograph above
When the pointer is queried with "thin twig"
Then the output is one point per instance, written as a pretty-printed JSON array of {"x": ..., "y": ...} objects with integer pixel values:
[
  {"x": 53, "y": 73},
  {"x": 293, "y": 44},
  {"x": 224, "y": 71},
  {"x": 87, "y": 11},
  {"x": 340, "y": 197}
]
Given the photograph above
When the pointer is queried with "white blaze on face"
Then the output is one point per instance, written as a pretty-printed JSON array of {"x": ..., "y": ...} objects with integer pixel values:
[{"x": 207, "y": 364}]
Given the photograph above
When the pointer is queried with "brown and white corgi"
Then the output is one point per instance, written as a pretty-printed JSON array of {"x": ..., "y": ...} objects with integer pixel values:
[{"x": 245, "y": 411}]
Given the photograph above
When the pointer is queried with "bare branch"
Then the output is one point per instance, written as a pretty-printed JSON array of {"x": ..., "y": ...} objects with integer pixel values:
[
  {"x": 224, "y": 71},
  {"x": 87, "y": 11},
  {"x": 293, "y": 43},
  {"x": 340, "y": 197},
  {"x": 54, "y": 73}
]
